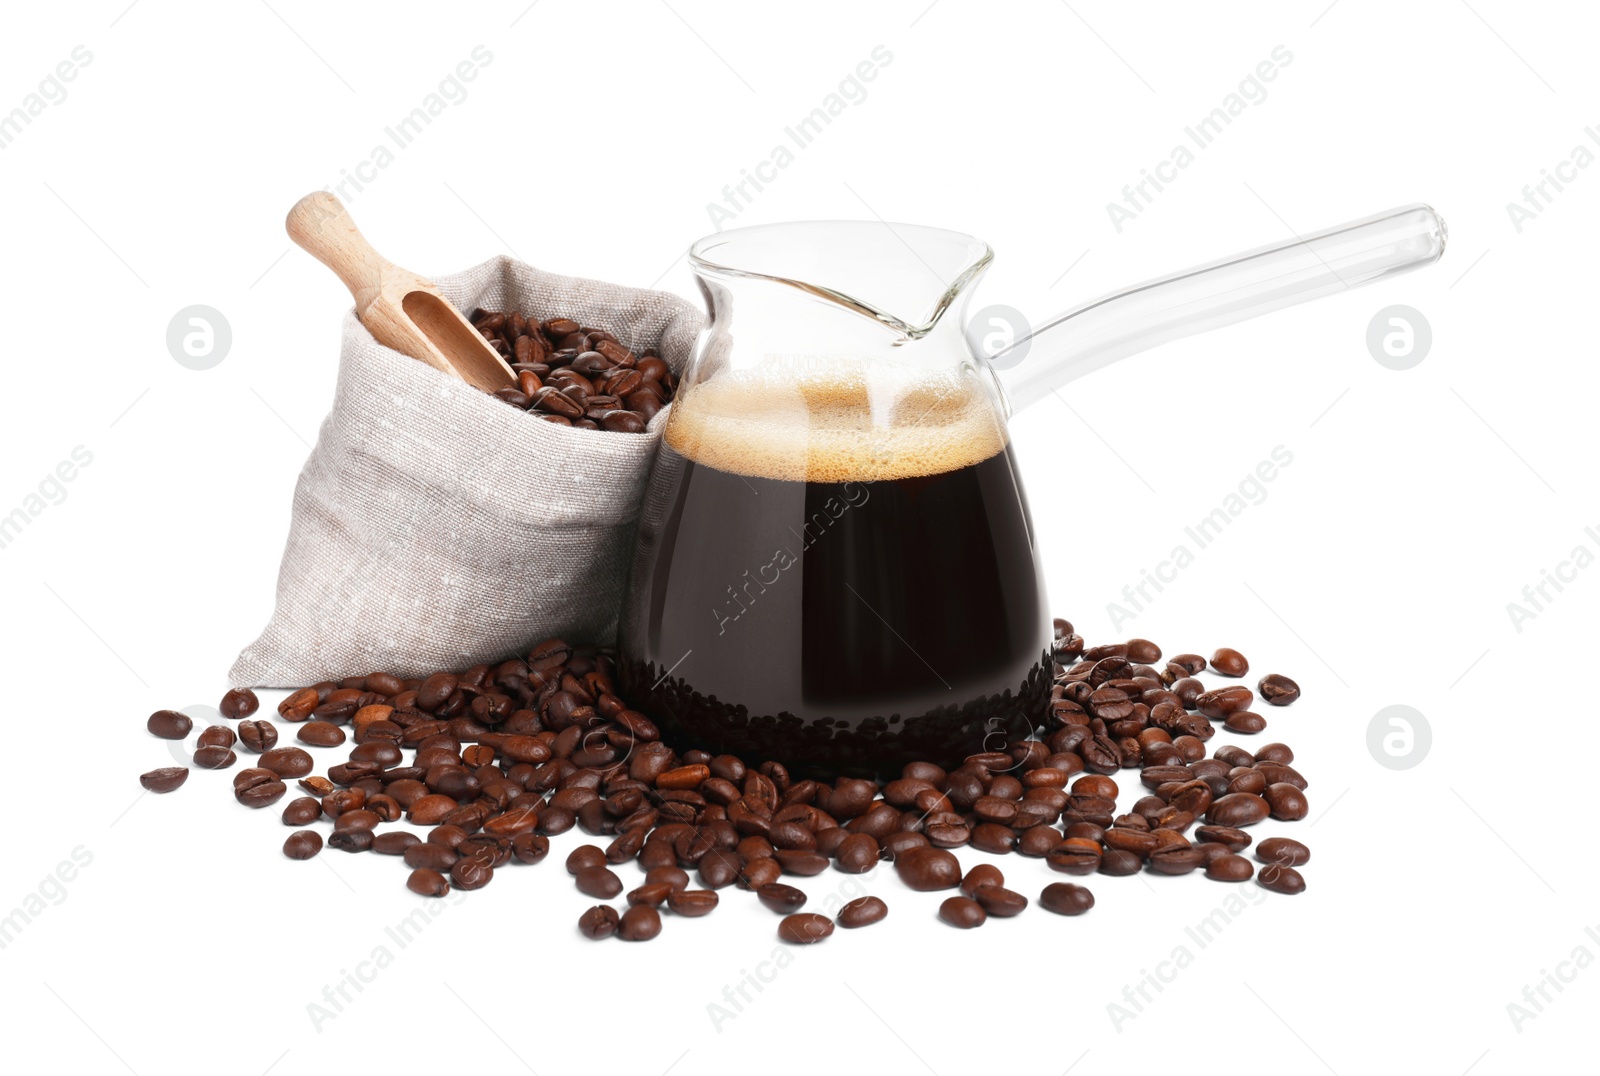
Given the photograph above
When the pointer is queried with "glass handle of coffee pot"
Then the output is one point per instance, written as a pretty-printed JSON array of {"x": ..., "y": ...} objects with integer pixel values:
[{"x": 1219, "y": 293}]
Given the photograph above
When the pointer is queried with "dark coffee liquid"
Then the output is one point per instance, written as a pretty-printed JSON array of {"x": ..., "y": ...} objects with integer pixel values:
[{"x": 846, "y": 626}]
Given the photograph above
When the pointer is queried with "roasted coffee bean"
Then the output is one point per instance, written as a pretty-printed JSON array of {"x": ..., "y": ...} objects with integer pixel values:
[
  {"x": 1283, "y": 851},
  {"x": 164, "y": 779},
  {"x": 1245, "y": 721},
  {"x": 1074, "y": 855},
  {"x": 802, "y": 863},
  {"x": 216, "y": 736},
  {"x": 169, "y": 724},
  {"x": 257, "y": 787},
  {"x": 1237, "y": 840},
  {"x": 1278, "y": 690},
  {"x": 1238, "y": 809},
  {"x": 781, "y": 898},
  {"x": 652, "y": 893},
  {"x": 598, "y": 922},
  {"x": 1176, "y": 859},
  {"x": 984, "y": 874},
  {"x": 805, "y": 928},
  {"x": 1230, "y": 868},
  {"x": 963, "y": 912},
  {"x": 856, "y": 854},
  {"x": 302, "y": 845},
  {"x": 320, "y": 734},
  {"x": 257, "y": 736},
  {"x": 1143, "y": 652},
  {"x": 302, "y": 811},
  {"x": 287, "y": 761},
  {"x": 350, "y": 840},
  {"x": 692, "y": 903},
  {"x": 1280, "y": 879},
  {"x": 927, "y": 869},
  {"x": 394, "y": 843},
  {"x": 598, "y": 882},
  {"x": 1288, "y": 803},
  {"x": 427, "y": 883},
  {"x": 240, "y": 702},
  {"x": 1229, "y": 662},
  {"x": 1118, "y": 863},
  {"x": 427, "y": 854},
  {"x": 470, "y": 872},
  {"x": 862, "y": 912},
  {"x": 999, "y": 901},
  {"x": 1223, "y": 701},
  {"x": 639, "y": 923},
  {"x": 1275, "y": 752},
  {"x": 1064, "y": 898},
  {"x": 214, "y": 758}
]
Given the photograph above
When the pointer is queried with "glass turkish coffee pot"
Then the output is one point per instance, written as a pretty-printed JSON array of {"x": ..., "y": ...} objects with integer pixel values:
[{"x": 835, "y": 564}]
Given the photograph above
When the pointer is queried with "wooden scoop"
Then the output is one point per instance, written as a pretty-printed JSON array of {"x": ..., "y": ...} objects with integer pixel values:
[{"x": 399, "y": 308}]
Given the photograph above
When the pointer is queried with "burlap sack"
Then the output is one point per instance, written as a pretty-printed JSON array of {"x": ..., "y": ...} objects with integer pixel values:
[{"x": 435, "y": 526}]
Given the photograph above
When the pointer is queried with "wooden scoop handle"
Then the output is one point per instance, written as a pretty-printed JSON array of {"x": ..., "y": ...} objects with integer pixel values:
[{"x": 401, "y": 309}]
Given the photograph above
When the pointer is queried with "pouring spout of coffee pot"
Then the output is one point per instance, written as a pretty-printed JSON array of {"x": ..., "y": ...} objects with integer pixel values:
[{"x": 1222, "y": 292}]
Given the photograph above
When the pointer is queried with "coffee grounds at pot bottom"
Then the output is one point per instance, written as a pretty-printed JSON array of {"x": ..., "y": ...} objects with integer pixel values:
[{"x": 502, "y": 758}]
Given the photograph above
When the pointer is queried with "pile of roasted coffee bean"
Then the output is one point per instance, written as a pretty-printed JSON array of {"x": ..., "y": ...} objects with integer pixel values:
[
  {"x": 507, "y": 756},
  {"x": 574, "y": 375}
]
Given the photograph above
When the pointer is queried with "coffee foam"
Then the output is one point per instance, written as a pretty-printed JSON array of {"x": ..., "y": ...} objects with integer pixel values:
[{"x": 842, "y": 426}]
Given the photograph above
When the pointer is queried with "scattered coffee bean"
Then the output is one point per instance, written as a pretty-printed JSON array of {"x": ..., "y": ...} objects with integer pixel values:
[
  {"x": 999, "y": 901},
  {"x": 927, "y": 869},
  {"x": 258, "y": 736},
  {"x": 215, "y": 736},
  {"x": 1278, "y": 690},
  {"x": 639, "y": 923},
  {"x": 256, "y": 787},
  {"x": 427, "y": 883},
  {"x": 302, "y": 845},
  {"x": 1064, "y": 898},
  {"x": 1246, "y": 722},
  {"x": 1280, "y": 879},
  {"x": 1228, "y": 662},
  {"x": 598, "y": 922},
  {"x": 394, "y": 843},
  {"x": 805, "y": 928},
  {"x": 286, "y": 761},
  {"x": 1230, "y": 868},
  {"x": 862, "y": 912},
  {"x": 691, "y": 903},
  {"x": 164, "y": 779},
  {"x": 302, "y": 811},
  {"x": 169, "y": 724},
  {"x": 1283, "y": 850},
  {"x": 470, "y": 872},
  {"x": 214, "y": 758},
  {"x": 781, "y": 898},
  {"x": 598, "y": 882},
  {"x": 963, "y": 912},
  {"x": 1288, "y": 803},
  {"x": 240, "y": 702},
  {"x": 979, "y": 876},
  {"x": 320, "y": 734}
]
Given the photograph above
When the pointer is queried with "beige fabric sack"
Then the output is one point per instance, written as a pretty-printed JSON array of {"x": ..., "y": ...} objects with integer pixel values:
[{"x": 435, "y": 526}]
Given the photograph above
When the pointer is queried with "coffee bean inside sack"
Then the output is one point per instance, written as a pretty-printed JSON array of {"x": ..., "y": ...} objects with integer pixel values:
[
  {"x": 465, "y": 776},
  {"x": 577, "y": 375}
]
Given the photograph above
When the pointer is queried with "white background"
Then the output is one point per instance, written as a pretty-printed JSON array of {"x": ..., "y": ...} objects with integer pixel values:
[{"x": 1376, "y": 572}]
